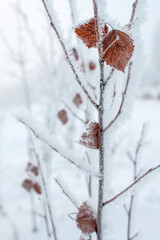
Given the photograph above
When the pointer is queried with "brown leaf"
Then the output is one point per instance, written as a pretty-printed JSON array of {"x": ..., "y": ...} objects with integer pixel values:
[
  {"x": 118, "y": 49},
  {"x": 86, "y": 219},
  {"x": 37, "y": 188},
  {"x": 27, "y": 184},
  {"x": 75, "y": 54},
  {"x": 33, "y": 169},
  {"x": 90, "y": 138},
  {"x": 77, "y": 100},
  {"x": 92, "y": 66},
  {"x": 62, "y": 115},
  {"x": 87, "y": 33}
]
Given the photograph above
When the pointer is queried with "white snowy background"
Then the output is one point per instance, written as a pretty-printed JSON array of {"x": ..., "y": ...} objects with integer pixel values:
[{"x": 13, "y": 136}]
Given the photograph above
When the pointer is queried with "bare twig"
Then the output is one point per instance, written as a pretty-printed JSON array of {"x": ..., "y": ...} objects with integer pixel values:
[
  {"x": 109, "y": 77},
  {"x": 77, "y": 78},
  {"x": 151, "y": 170},
  {"x": 65, "y": 193},
  {"x": 71, "y": 111},
  {"x": 123, "y": 98},
  {"x": 134, "y": 236},
  {"x": 135, "y": 176},
  {"x": 45, "y": 192},
  {"x": 133, "y": 13}
]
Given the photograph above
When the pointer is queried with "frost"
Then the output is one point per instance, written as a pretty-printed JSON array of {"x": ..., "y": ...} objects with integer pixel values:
[{"x": 54, "y": 143}]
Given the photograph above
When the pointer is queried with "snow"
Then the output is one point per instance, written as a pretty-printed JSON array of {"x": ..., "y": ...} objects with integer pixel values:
[
  {"x": 15, "y": 199},
  {"x": 54, "y": 143}
]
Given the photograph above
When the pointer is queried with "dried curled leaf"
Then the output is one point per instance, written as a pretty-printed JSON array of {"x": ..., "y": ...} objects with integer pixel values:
[
  {"x": 118, "y": 49},
  {"x": 86, "y": 219},
  {"x": 87, "y": 33},
  {"x": 27, "y": 184},
  {"x": 62, "y": 115},
  {"x": 90, "y": 138},
  {"x": 92, "y": 66},
  {"x": 37, "y": 188},
  {"x": 33, "y": 169},
  {"x": 77, "y": 100}
]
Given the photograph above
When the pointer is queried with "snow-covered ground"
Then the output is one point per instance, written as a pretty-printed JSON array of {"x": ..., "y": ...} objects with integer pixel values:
[{"x": 16, "y": 201}]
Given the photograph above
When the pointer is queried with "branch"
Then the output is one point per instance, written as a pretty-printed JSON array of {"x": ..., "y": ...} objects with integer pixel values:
[
  {"x": 66, "y": 193},
  {"x": 45, "y": 191},
  {"x": 80, "y": 119},
  {"x": 151, "y": 170},
  {"x": 123, "y": 98},
  {"x": 134, "y": 236},
  {"x": 54, "y": 144},
  {"x": 134, "y": 6},
  {"x": 109, "y": 77},
  {"x": 67, "y": 56}
]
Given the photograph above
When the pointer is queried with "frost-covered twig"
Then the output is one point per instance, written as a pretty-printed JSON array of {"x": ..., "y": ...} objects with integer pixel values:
[
  {"x": 44, "y": 136},
  {"x": 133, "y": 14},
  {"x": 109, "y": 77},
  {"x": 135, "y": 176},
  {"x": 77, "y": 78},
  {"x": 123, "y": 98},
  {"x": 66, "y": 193},
  {"x": 98, "y": 28},
  {"x": 45, "y": 192},
  {"x": 71, "y": 111},
  {"x": 139, "y": 180}
]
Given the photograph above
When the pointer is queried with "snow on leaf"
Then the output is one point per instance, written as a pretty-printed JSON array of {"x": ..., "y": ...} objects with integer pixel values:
[
  {"x": 118, "y": 49},
  {"x": 86, "y": 219},
  {"x": 62, "y": 115},
  {"x": 77, "y": 100},
  {"x": 27, "y": 184},
  {"x": 90, "y": 138},
  {"x": 87, "y": 33}
]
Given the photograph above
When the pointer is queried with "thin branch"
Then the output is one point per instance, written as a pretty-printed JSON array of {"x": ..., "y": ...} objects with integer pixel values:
[
  {"x": 70, "y": 216},
  {"x": 66, "y": 194},
  {"x": 125, "y": 208},
  {"x": 134, "y": 6},
  {"x": 135, "y": 176},
  {"x": 67, "y": 56},
  {"x": 71, "y": 111},
  {"x": 42, "y": 137},
  {"x": 109, "y": 77},
  {"x": 45, "y": 192},
  {"x": 134, "y": 236},
  {"x": 123, "y": 98},
  {"x": 131, "y": 185}
]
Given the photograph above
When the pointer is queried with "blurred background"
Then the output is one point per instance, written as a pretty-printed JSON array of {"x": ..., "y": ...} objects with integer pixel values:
[{"x": 34, "y": 75}]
